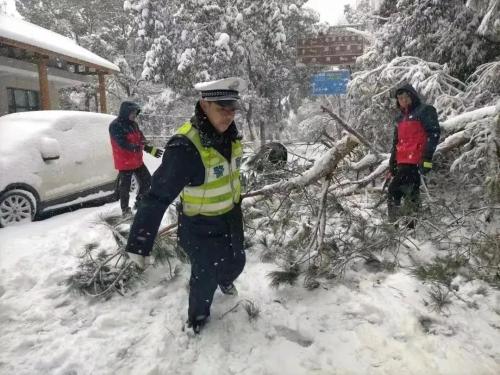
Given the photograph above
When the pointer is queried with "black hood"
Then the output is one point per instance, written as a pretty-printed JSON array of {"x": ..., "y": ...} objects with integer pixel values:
[
  {"x": 208, "y": 135},
  {"x": 126, "y": 108},
  {"x": 415, "y": 97}
]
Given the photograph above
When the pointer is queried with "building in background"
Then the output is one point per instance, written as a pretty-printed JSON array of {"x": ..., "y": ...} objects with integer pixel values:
[
  {"x": 35, "y": 63},
  {"x": 339, "y": 46}
]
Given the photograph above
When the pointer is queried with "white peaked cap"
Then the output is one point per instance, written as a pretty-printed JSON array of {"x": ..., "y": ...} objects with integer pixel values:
[{"x": 222, "y": 89}]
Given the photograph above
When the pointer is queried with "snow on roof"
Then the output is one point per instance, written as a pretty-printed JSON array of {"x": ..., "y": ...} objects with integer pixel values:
[{"x": 24, "y": 32}]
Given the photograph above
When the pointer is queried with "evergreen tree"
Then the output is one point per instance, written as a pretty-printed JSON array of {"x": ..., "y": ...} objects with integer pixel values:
[
  {"x": 194, "y": 40},
  {"x": 102, "y": 26},
  {"x": 444, "y": 32},
  {"x": 361, "y": 14},
  {"x": 489, "y": 13}
]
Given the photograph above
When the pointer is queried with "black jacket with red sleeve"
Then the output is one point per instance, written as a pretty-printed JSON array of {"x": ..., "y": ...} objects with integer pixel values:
[{"x": 416, "y": 134}]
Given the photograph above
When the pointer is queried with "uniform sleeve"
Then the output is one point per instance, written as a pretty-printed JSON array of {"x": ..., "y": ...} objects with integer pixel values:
[
  {"x": 430, "y": 122},
  {"x": 118, "y": 134},
  {"x": 392, "y": 160},
  {"x": 181, "y": 166}
]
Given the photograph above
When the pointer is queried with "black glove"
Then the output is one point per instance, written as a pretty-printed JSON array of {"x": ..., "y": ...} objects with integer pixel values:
[
  {"x": 426, "y": 167},
  {"x": 156, "y": 152}
]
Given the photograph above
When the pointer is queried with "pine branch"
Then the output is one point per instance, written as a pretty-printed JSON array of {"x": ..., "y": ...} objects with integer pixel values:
[
  {"x": 98, "y": 277},
  {"x": 323, "y": 167},
  {"x": 288, "y": 276}
]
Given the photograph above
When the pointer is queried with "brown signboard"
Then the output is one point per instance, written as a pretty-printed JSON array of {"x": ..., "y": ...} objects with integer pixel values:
[{"x": 338, "y": 47}]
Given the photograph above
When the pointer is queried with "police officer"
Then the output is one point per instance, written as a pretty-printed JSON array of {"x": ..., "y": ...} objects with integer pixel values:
[
  {"x": 416, "y": 136},
  {"x": 201, "y": 163},
  {"x": 127, "y": 143}
]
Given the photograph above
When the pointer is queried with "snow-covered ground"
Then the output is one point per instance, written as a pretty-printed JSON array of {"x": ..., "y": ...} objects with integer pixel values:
[{"x": 366, "y": 323}]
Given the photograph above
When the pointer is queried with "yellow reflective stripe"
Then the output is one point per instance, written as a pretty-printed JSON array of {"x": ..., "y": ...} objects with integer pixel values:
[
  {"x": 215, "y": 209},
  {"x": 208, "y": 200},
  {"x": 237, "y": 149},
  {"x": 218, "y": 194},
  {"x": 212, "y": 192},
  {"x": 153, "y": 150},
  {"x": 195, "y": 192},
  {"x": 214, "y": 184},
  {"x": 217, "y": 183},
  {"x": 427, "y": 164},
  {"x": 212, "y": 161},
  {"x": 184, "y": 128},
  {"x": 196, "y": 199},
  {"x": 192, "y": 134}
]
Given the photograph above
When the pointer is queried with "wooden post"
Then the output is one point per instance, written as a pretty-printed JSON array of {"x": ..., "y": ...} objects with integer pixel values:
[
  {"x": 43, "y": 82},
  {"x": 102, "y": 92}
]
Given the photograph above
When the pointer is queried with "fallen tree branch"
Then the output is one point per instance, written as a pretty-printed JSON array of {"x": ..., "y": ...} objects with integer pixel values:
[
  {"x": 453, "y": 141},
  {"x": 167, "y": 230},
  {"x": 350, "y": 130},
  {"x": 322, "y": 168},
  {"x": 460, "y": 122},
  {"x": 366, "y": 162},
  {"x": 379, "y": 171}
]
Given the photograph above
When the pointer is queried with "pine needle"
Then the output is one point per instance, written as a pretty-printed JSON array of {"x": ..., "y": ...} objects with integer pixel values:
[{"x": 289, "y": 276}]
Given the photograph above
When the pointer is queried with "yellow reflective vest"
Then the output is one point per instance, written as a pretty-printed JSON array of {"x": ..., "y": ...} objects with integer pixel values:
[{"x": 221, "y": 188}]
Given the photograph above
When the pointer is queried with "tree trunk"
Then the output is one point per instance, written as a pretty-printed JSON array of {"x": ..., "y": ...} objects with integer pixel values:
[
  {"x": 87, "y": 102},
  {"x": 250, "y": 107},
  {"x": 262, "y": 131},
  {"x": 249, "y": 122}
]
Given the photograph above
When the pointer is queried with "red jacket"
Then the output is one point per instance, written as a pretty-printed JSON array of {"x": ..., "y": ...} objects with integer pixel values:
[
  {"x": 412, "y": 139},
  {"x": 126, "y": 159},
  {"x": 127, "y": 140},
  {"x": 416, "y": 133}
]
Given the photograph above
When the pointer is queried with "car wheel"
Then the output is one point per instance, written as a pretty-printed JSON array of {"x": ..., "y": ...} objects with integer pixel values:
[
  {"x": 17, "y": 206},
  {"x": 134, "y": 187}
]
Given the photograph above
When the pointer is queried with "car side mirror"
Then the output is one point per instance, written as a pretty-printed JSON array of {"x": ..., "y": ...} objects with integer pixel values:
[{"x": 49, "y": 149}]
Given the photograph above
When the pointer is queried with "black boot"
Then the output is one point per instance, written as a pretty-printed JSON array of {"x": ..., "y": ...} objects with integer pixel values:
[
  {"x": 229, "y": 289},
  {"x": 410, "y": 222},
  {"x": 197, "y": 323},
  {"x": 394, "y": 213}
]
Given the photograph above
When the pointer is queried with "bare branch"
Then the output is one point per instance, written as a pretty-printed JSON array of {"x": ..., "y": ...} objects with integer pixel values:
[{"x": 350, "y": 130}]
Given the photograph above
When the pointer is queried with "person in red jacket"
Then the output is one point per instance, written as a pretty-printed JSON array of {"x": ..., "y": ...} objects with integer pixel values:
[
  {"x": 127, "y": 143},
  {"x": 416, "y": 136}
]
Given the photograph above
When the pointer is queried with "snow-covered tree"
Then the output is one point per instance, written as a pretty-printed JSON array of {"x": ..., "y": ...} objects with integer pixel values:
[
  {"x": 360, "y": 14},
  {"x": 195, "y": 41},
  {"x": 371, "y": 94},
  {"x": 150, "y": 17},
  {"x": 489, "y": 13},
  {"x": 100, "y": 26},
  {"x": 440, "y": 31}
]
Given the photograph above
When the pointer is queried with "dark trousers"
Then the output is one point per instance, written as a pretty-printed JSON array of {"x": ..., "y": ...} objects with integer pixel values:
[
  {"x": 143, "y": 178},
  {"x": 404, "y": 185},
  {"x": 210, "y": 268},
  {"x": 216, "y": 254}
]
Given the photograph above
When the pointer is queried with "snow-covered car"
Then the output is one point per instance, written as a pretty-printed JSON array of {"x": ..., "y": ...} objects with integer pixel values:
[{"x": 53, "y": 159}]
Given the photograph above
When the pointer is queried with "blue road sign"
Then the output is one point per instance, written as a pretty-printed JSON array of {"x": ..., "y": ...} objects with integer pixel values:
[{"x": 330, "y": 83}]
